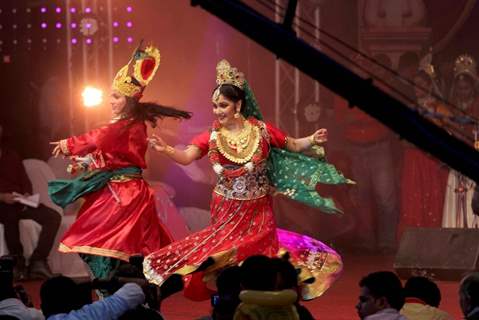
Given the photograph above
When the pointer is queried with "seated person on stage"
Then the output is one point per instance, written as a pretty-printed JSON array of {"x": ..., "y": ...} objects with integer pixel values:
[{"x": 13, "y": 178}]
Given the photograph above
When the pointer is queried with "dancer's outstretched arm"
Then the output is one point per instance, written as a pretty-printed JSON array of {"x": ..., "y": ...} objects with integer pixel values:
[
  {"x": 302, "y": 144},
  {"x": 184, "y": 157}
]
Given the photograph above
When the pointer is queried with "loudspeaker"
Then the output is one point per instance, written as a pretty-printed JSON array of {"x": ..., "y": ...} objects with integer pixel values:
[{"x": 446, "y": 254}]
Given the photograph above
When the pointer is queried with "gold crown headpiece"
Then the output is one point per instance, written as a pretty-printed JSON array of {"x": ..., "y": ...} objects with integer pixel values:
[
  {"x": 426, "y": 66},
  {"x": 465, "y": 64},
  {"x": 145, "y": 64},
  {"x": 226, "y": 74}
]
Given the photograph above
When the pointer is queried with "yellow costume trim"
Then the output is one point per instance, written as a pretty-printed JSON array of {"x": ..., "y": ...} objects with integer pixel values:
[
  {"x": 239, "y": 148},
  {"x": 95, "y": 251},
  {"x": 226, "y": 74},
  {"x": 146, "y": 61}
]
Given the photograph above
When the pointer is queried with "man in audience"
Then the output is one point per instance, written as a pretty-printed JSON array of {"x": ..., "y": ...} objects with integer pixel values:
[
  {"x": 61, "y": 300},
  {"x": 381, "y": 297},
  {"x": 422, "y": 300},
  {"x": 469, "y": 296},
  {"x": 13, "y": 179},
  {"x": 10, "y": 305}
]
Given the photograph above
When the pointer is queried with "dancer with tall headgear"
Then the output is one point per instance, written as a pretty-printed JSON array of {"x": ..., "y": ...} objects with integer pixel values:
[
  {"x": 118, "y": 218},
  {"x": 249, "y": 156}
]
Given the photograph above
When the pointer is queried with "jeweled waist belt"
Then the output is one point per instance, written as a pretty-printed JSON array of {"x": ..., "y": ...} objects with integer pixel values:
[{"x": 252, "y": 185}]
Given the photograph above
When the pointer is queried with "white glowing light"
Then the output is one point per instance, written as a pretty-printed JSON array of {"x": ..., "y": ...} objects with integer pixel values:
[{"x": 92, "y": 97}]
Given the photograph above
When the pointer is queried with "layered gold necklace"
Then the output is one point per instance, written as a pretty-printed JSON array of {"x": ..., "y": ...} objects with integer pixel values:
[{"x": 239, "y": 147}]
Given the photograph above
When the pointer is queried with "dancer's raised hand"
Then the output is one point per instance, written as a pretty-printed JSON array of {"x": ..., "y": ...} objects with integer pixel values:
[{"x": 157, "y": 143}]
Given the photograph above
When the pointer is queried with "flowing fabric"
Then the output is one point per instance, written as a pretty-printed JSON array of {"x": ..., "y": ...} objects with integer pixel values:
[
  {"x": 241, "y": 228},
  {"x": 64, "y": 192},
  {"x": 294, "y": 174},
  {"x": 119, "y": 219}
]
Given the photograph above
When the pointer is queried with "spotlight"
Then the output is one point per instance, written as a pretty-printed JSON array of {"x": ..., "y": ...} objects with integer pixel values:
[
  {"x": 44, "y": 40},
  {"x": 129, "y": 9},
  {"x": 73, "y": 25},
  {"x": 14, "y": 26},
  {"x": 129, "y": 24},
  {"x": 116, "y": 39},
  {"x": 88, "y": 41},
  {"x": 28, "y": 10},
  {"x": 43, "y": 25},
  {"x": 129, "y": 39},
  {"x": 29, "y": 26},
  {"x": 115, "y": 24},
  {"x": 92, "y": 96},
  {"x": 74, "y": 40},
  {"x": 58, "y": 9},
  {"x": 73, "y": 10},
  {"x": 58, "y": 25},
  {"x": 43, "y": 9},
  {"x": 14, "y": 10},
  {"x": 87, "y": 10}
]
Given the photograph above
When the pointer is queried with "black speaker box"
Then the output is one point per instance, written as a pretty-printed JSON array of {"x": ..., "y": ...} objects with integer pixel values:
[{"x": 440, "y": 253}]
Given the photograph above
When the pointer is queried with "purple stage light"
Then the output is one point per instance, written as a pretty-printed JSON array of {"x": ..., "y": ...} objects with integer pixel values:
[
  {"x": 129, "y": 24},
  {"x": 73, "y": 25},
  {"x": 14, "y": 10},
  {"x": 129, "y": 9},
  {"x": 58, "y": 9},
  {"x": 73, "y": 10},
  {"x": 29, "y": 26},
  {"x": 43, "y": 25},
  {"x": 88, "y": 25},
  {"x": 87, "y": 10},
  {"x": 43, "y": 9},
  {"x": 74, "y": 40},
  {"x": 14, "y": 26},
  {"x": 58, "y": 25},
  {"x": 88, "y": 41},
  {"x": 115, "y": 24},
  {"x": 116, "y": 39},
  {"x": 129, "y": 39}
]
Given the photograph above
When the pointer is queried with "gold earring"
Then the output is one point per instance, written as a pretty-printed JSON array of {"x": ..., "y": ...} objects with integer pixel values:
[{"x": 237, "y": 115}]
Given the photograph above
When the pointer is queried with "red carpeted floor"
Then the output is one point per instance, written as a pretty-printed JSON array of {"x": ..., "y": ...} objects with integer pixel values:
[{"x": 336, "y": 304}]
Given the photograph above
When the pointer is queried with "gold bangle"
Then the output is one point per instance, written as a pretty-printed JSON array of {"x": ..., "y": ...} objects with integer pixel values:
[
  {"x": 311, "y": 140},
  {"x": 169, "y": 150}
]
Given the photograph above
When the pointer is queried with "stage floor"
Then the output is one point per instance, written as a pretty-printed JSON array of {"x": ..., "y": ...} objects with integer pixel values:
[{"x": 336, "y": 304}]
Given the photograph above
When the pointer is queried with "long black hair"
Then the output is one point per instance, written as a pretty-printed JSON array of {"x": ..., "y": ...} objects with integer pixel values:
[{"x": 151, "y": 111}]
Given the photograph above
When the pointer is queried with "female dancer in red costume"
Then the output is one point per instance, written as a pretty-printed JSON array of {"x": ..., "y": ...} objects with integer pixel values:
[
  {"x": 242, "y": 222},
  {"x": 118, "y": 218}
]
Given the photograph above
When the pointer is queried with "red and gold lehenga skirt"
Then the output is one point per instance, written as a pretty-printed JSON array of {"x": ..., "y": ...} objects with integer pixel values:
[{"x": 239, "y": 229}]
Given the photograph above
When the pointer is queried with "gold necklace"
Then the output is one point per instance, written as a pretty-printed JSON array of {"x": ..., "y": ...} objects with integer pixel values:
[{"x": 239, "y": 147}]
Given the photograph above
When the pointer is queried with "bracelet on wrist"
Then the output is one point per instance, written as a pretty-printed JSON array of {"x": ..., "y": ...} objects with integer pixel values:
[{"x": 169, "y": 150}]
